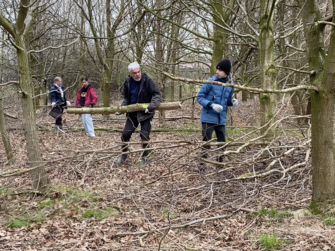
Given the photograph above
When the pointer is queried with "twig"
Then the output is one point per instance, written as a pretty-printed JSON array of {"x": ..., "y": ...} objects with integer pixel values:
[{"x": 187, "y": 224}]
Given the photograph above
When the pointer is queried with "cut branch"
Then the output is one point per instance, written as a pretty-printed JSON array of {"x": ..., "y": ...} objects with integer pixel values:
[{"x": 122, "y": 109}]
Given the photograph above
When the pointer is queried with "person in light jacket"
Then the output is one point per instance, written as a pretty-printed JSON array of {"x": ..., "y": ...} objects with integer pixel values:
[{"x": 215, "y": 100}]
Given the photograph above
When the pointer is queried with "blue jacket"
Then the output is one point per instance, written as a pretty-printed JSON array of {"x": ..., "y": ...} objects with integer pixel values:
[
  {"x": 210, "y": 93},
  {"x": 55, "y": 96}
]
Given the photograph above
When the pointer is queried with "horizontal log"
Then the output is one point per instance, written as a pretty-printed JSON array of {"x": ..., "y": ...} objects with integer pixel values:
[{"x": 122, "y": 109}]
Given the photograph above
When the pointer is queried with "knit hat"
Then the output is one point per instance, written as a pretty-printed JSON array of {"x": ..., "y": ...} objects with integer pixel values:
[{"x": 224, "y": 65}]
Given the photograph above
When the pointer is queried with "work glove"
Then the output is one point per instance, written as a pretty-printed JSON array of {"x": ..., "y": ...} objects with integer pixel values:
[
  {"x": 146, "y": 110},
  {"x": 118, "y": 113},
  {"x": 235, "y": 102},
  {"x": 53, "y": 104},
  {"x": 68, "y": 103},
  {"x": 217, "y": 108}
]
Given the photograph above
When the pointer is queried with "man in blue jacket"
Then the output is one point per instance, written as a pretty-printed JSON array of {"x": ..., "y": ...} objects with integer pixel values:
[{"x": 215, "y": 100}]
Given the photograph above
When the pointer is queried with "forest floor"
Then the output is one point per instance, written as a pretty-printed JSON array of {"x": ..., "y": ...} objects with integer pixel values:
[{"x": 257, "y": 199}]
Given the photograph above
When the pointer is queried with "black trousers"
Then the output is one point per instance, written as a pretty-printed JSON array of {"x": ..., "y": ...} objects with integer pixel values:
[
  {"x": 59, "y": 119},
  {"x": 208, "y": 129},
  {"x": 132, "y": 123},
  {"x": 207, "y": 134}
]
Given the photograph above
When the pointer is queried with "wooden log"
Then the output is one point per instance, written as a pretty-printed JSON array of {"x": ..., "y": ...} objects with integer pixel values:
[{"x": 122, "y": 109}]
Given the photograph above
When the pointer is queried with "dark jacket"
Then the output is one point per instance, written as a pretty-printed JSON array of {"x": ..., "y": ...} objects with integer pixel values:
[
  {"x": 148, "y": 93},
  {"x": 210, "y": 93},
  {"x": 56, "y": 97},
  {"x": 91, "y": 97}
]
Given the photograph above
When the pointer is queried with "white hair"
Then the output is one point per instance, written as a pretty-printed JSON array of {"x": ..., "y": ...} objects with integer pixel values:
[
  {"x": 57, "y": 79},
  {"x": 133, "y": 66}
]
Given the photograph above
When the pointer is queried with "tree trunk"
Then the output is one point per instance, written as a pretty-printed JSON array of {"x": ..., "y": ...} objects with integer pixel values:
[
  {"x": 323, "y": 108},
  {"x": 267, "y": 67},
  {"x": 3, "y": 130},
  {"x": 323, "y": 134},
  {"x": 159, "y": 58},
  {"x": 244, "y": 96},
  {"x": 220, "y": 35},
  {"x": 38, "y": 175}
]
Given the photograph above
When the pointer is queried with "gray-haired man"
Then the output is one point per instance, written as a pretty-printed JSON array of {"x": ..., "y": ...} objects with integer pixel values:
[{"x": 139, "y": 88}]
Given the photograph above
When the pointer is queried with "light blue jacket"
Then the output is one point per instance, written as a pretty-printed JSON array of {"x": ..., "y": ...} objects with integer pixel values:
[{"x": 210, "y": 93}]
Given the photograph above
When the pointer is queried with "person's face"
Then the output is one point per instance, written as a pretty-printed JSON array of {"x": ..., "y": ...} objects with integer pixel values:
[
  {"x": 136, "y": 74},
  {"x": 220, "y": 73},
  {"x": 84, "y": 82},
  {"x": 58, "y": 82}
]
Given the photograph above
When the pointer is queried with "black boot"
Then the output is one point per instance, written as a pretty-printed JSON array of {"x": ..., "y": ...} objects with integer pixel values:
[
  {"x": 219, "y": 158},
  {"x": 145, "y": 154},
  {"x": 204, "y": 154},
  {"x": 59, "y": 129},
  {"x": 123, "y": 157}
]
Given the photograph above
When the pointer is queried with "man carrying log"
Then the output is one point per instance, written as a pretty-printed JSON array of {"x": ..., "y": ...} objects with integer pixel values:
[{"x": 139, "y": 88}]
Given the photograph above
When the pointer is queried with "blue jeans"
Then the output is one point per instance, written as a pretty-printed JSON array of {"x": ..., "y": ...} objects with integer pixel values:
[{"x": 88, "y": 123}]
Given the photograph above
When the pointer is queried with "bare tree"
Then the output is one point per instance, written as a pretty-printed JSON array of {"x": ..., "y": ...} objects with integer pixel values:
[
  {"x": 18, "y": 29},
  {"x": 105, "y": 52}
]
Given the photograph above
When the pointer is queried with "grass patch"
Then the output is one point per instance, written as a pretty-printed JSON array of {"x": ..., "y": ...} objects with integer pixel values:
[
  {"x": 26, "y": 222},
  {"x": 328, "y": 220},
  {"x": 46, "y": 203},
  {"x": 273, "y": 213},
  {"x": 270, "y": 241},
  {"x": 75, "y": 195},
  {"x": 3, "y": 190},
  {"x": 18, "y": 223},
  {"x": 237, "y": 130},
  {"x": 165, "y": 213},
  {"x": 100, "y": 214}
]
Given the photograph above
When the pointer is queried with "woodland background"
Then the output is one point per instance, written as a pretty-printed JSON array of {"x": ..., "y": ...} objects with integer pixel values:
[{"x": 276, "y": 187}]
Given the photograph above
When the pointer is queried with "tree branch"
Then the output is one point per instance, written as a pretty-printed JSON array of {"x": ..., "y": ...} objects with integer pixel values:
[
  {"x": 55, "y": 47},
  {"x": 243, "y": 88}
]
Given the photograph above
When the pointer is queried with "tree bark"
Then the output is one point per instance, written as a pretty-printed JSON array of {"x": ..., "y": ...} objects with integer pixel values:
[
  {"x": 3, "y": 130},
  {"x": 38, "y": 175},
  {"x": 220, "y": 35},
  {"x": 4, "y": 134},
  {"x": 267, "y": 66},
  {"x": 323, "y": 108}
]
